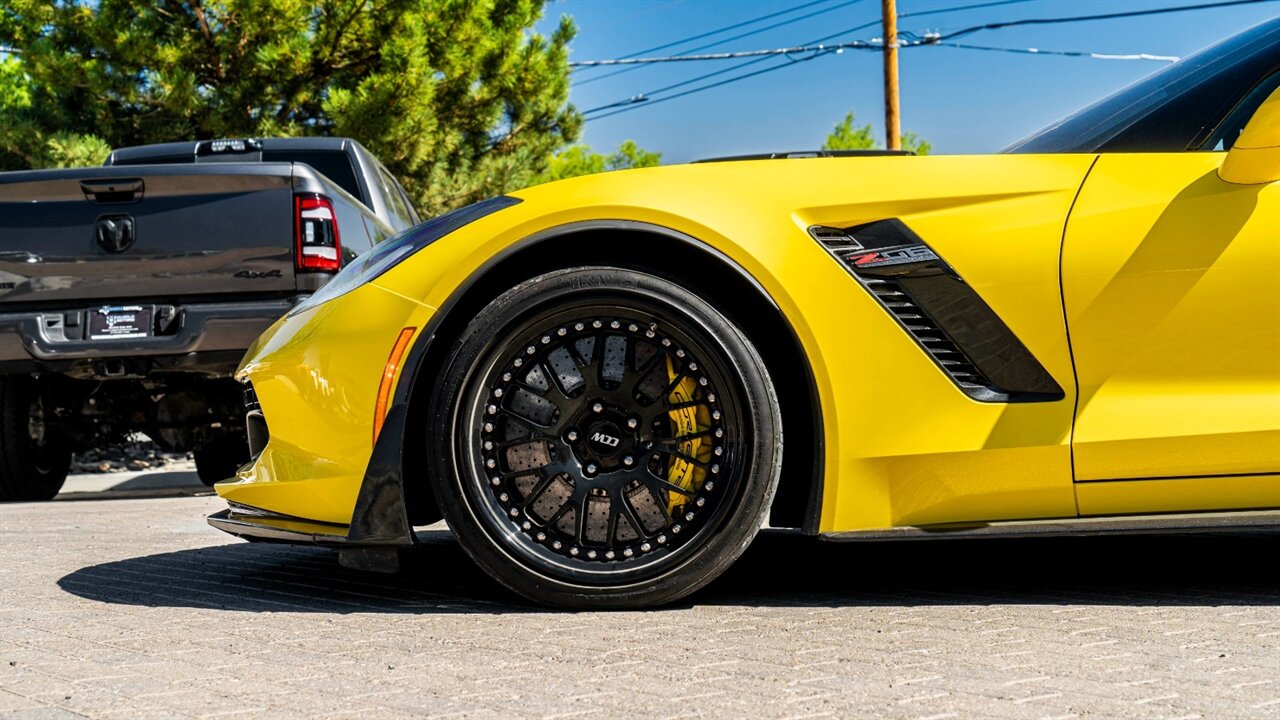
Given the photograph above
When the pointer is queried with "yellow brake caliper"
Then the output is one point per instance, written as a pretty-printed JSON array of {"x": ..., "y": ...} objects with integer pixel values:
[{"x": 686, "y": 422}]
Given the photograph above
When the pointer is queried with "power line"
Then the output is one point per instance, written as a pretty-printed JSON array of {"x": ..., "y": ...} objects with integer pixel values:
[
  {"x": 1104, "y": 16},
  {"x": 941, "y": 11},
  {"x": 877, "y": 44},
  {"x": 1064, "y": 53},
  {"x": 650, "y": 103},
  {"x": 928, "y": 39},
  {"x": 726, "y": 28},
  {"x": 727, "y": 55},
  {"x": 739, "y": 36},
  {"x": 644, "y": 97}
]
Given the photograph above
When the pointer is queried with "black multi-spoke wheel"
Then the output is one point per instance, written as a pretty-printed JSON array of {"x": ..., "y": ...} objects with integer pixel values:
[{"x": 605, "y": 438}]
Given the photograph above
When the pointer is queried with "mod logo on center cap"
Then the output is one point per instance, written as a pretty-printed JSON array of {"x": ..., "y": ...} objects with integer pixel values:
[{"x": 606, "y": 440}]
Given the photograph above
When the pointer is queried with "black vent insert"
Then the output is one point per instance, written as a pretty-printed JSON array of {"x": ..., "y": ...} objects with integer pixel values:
[{"x": 940, "y": 311}]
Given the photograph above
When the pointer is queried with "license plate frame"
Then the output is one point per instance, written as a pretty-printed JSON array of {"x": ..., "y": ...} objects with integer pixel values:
[{"x": 121, "y": 322}]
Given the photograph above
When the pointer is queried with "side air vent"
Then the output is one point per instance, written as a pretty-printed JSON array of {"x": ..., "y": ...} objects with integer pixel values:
[
  {"x": 926, "y": 332},
  {"x": 940, "y": 311},
  {"x": 834, "y": 238}
]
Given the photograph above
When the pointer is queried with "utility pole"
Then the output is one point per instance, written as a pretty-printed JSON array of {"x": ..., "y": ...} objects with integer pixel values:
[{"x": 892, "y": 121}]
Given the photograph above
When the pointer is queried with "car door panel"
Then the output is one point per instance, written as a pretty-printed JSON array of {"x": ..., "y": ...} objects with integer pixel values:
[{"x": 1171, "y": 283}]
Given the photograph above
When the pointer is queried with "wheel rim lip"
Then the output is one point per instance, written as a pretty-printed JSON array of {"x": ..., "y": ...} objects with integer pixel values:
[{"x": 508, "y": 536}]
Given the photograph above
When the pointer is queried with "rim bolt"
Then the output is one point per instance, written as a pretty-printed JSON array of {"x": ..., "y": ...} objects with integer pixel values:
[
  {"x": 700, "y": 502},
  {"x": 644, "y": 547},
  {"x": 573, "y": 551},
  {"x": 711, "y": 397},
  {"x": 615, "y": 324},
  {"x": 492, "y": 409},
  {"x": 497, "y": 392},
  {"x": 591, "y": 554},
  {"x": 591, "y": 469},
  {"x": 488, "y": 427},
  {"x": 702, "y": 382},
  {"x": 628, "y": 552},
  {"x": 719, "y": 451},
  {"x": 609, "y": 555},
  {"x": 715, "y": 414},
  {"x": 515, "y": 512},
  {"x": 679, "y": 353},
  {"x": 546, "y": 339},
  {"x": 597, "y": 324},
  {"x": 628, "y": 461},
  {"x": 491, "y": 463},
  {"x": 488, "y": 444},
  {"x": 708, "y": 486},
  {"x": 503, "y": 497},
  {"x": 633, "y": 423},
  {"x": 715, "y": 469},
  {"x": 542, "y": 536},
  {"x": 662, "y": 539},
  {"x": 506, "y": 377},
  {"x": 562, "y": 332},
  {"x": 527, "y": 525},
  {"x": 719, "y": 432},
  {"x": 517, "y": 362},
  {"x": 675, "y": 529},
  {"x": 571, "y": 436},
  {"x": 666, "y": 342},
  {"x": 557, "y": 545},
  {"x": 633, "y": 327},
  {"x": 496, "y": 482},
  {"x": 530, "y": 350},
  {"x": 579, "y": 326},
  {"x": 597, "y": 408},
  {"x": 693, "y": 366},
  {"x": 688, "y": 517}
]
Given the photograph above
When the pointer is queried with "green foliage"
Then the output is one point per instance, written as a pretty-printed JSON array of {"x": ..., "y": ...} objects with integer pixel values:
[
  {"x": 916, "y": 144},
  {"x": 578, "y": 160},
  {"x": 459, "y": 98},
  {"x": 846, "y": 136},
  {"x": 65, "y": 150}
]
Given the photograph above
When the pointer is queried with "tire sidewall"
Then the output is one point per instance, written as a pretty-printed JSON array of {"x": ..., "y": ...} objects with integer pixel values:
[
  {"x": 28, "y": 473},
  {"x": 723, "y": 543}
]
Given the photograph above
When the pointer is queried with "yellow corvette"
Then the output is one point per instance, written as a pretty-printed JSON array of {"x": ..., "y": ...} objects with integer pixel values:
[{"x": 606, "y": 385}]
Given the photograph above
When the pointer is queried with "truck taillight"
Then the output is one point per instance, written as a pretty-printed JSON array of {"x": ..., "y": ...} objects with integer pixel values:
[{"x": 319, "y": 245}]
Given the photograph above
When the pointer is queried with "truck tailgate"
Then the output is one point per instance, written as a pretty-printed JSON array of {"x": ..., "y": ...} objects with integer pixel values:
[{"x": 170, "y": 231}]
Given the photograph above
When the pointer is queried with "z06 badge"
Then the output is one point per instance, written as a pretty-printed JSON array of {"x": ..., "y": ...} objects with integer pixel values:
[{"x": 893, "y": 256}]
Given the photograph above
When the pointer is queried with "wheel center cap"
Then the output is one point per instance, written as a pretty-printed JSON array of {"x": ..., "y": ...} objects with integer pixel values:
[{"x": 606, "y": 439}]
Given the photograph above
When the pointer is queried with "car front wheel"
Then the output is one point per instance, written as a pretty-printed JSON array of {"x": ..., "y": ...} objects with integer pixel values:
[{"x": 604, "y": 438}]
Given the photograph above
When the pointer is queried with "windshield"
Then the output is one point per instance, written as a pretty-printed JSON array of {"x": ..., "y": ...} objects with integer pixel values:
[{"x": 1168, "y": 111}]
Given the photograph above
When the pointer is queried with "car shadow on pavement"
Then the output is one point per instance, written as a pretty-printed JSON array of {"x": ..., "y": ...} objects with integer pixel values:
[{"x": 779, "y": 569}]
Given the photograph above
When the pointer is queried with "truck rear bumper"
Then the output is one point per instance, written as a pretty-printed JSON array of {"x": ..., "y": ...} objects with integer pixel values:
[{"x": 49, "y": 339}]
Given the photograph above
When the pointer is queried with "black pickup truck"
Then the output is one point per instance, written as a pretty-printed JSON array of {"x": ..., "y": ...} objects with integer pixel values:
[{"x": 129, "y": 293}]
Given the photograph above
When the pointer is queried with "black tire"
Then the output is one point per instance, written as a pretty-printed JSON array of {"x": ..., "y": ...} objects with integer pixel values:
[
  {"x": 220, "y": 458},
  {"x": 632, "y": 467},
  {"x": 34, "y": 458}
]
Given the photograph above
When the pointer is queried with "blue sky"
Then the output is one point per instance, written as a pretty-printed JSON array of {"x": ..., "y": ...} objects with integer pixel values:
[{"x": 962, "y": 101}]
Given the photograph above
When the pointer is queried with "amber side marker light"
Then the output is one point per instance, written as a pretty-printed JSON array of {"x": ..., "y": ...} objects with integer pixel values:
[{"x": 389, "y": 378}]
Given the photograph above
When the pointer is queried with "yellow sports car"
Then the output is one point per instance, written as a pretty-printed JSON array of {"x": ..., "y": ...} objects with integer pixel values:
[{"x": 607, "y": 385}]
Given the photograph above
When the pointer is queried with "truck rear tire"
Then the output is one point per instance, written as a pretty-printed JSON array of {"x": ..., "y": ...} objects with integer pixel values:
[
  {"x": 220, "y": 458},
  {"x": 34, "y": 460}
]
